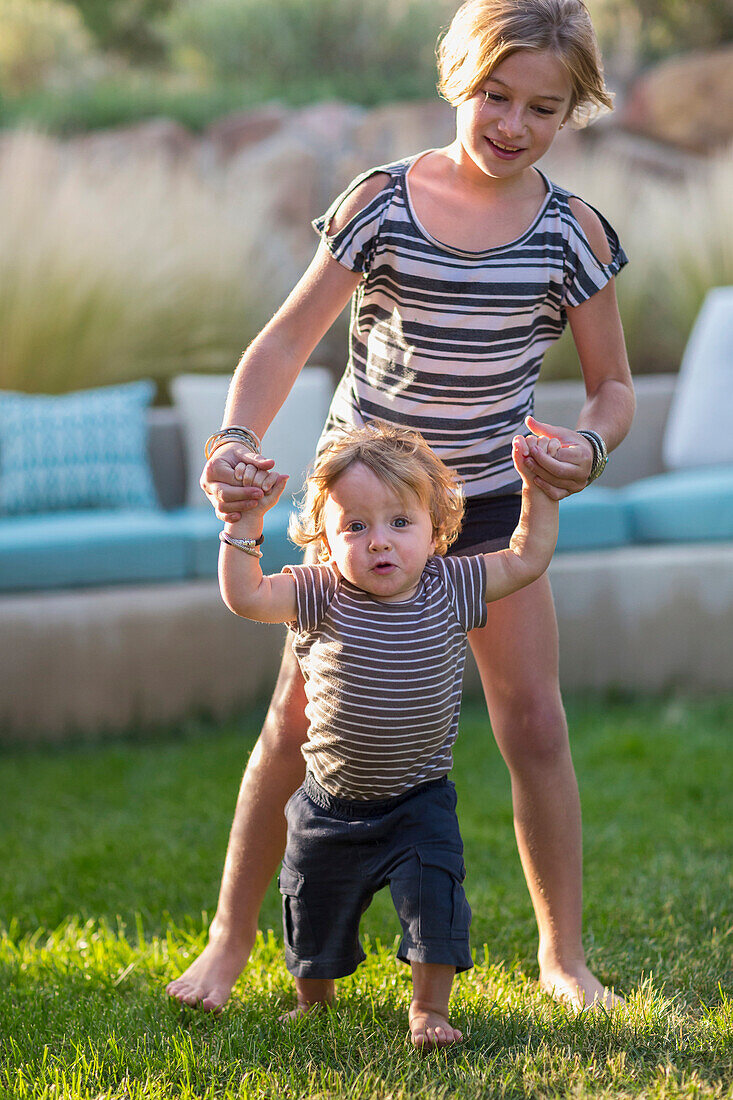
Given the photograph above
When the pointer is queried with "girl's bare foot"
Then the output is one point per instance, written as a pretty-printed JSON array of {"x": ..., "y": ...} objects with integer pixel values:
[
  {"x": 429, "y": 1029},
  {"x": 208, "y": 981},
  {"x": 579, "y": 988}
]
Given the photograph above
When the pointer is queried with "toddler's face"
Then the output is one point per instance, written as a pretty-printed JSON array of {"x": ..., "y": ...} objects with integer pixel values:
[
  {"x": 512, "y": 120},
  {"x": 378, "y": 541}
]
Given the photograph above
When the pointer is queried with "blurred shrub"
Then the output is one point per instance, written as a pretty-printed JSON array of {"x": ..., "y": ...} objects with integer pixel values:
[
  {"x": 348, "y": 48},
  {"x": 126, "y": 26},
  {"x": 121, "y": 98},
  {"x": 124, "y": 270},
  {"x": 43, "y": 43},
  {"x": 636, "y": 33}
]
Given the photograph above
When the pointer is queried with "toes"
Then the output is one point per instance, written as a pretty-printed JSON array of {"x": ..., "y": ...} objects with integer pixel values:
[
  {"x": 431, "y": 1038},
  {"x": 178, "y": 991},
  {"x": 191, "y": 998}
]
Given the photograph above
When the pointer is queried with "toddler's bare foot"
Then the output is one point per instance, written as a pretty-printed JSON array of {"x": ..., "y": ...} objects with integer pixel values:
[
  {"x": 579, "y": 988},
  {"x": 207, "y": 982},
  {"x": 301, "y": 1009},
  {"x": 429, "y": 1029},
  {"x": 311, "y": 993}
]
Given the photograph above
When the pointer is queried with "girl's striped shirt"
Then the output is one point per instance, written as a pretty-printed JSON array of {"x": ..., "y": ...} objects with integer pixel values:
[
  {"x": 383, "y": 680},
  {"x": 450, "y": 342}
]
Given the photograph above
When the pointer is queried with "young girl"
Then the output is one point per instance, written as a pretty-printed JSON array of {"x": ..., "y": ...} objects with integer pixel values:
[
  {"x": 463, "y": 265},
  {"x": 379, "y": 631}
]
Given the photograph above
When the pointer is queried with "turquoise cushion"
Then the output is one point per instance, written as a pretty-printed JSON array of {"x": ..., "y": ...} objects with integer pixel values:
[
  {"x": 591, "y": 520},
  {"x": 75, "y": 450},
  {"x": 77, "y": 549},
  {"x": 200, "y": 528},
  {"x": 685, "y": 506}
]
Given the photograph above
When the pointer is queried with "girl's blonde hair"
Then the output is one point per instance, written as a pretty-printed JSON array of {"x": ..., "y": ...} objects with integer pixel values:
[
  {"x": 402, "y": 460},
  {"x": 484, "y": 33}
]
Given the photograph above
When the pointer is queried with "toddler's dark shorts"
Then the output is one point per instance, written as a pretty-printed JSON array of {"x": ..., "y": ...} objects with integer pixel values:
[{"x": 339, "y": 853}]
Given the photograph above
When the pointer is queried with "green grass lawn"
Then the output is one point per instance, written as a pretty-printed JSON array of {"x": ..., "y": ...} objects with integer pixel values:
[{"x": 111, "y": 857}]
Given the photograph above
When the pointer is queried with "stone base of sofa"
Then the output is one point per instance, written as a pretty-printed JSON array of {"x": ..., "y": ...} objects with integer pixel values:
[
  {"x": 646, "y": 618},
  {"x": 94, "y": 662}
]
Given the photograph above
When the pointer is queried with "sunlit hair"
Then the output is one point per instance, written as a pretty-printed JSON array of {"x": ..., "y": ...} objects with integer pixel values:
[
  {"x": 484, "y": 33},
  {"x": 402, "y": 461}
]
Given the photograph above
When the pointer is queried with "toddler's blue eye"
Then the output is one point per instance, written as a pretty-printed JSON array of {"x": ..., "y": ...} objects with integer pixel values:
[
  {"x": 357, "y": 525},
  {"x": 401, "y": 522}
]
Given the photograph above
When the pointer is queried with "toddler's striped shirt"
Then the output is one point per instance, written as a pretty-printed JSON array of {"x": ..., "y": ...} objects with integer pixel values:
[{"x": 383, "y": 680}]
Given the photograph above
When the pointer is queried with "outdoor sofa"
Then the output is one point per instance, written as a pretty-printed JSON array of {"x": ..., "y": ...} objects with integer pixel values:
[{"x": 110, "y": 616}]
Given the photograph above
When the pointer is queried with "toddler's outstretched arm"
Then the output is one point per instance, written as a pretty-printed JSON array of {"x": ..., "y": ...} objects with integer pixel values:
[
  {"x": 244, "y": 588},
  {"x": 535, "y": 536}
]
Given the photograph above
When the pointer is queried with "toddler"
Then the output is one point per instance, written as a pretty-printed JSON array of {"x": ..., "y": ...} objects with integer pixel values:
[{"x": 379, "y": 629}]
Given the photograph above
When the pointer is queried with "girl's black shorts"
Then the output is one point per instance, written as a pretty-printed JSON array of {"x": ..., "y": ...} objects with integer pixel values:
[{"x": 488, "y": 524}]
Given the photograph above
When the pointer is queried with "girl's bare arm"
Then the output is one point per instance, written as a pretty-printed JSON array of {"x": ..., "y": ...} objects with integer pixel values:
[
  {"x": 610, "y": 402},
  {"x": 270, "y": 365}
]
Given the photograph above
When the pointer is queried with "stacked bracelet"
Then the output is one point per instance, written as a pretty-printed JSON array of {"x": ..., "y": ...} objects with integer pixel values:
[
  {"x": 236, "y": 433},
  {"x": 600, "y": 453},
  {"x": 249, "y": 546}
]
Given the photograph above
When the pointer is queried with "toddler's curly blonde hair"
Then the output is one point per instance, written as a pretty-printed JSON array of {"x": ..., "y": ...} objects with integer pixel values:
[{"x": 402, "y": 460}]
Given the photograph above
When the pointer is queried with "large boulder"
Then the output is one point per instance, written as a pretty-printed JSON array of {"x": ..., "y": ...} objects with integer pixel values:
[
  {"x": 234, "y": 132},
  {"x": 284, "y": 174},
  {"x": 328, "y": 131},
  {"x": 159, "y": 139},
  {"x": 398, "y": 129},
  {"x": 686, "y": 101}
]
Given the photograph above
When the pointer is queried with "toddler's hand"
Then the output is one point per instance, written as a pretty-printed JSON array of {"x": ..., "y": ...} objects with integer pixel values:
[
  {"x": 564, "y": 470},
  {"x": 269, "y": 481},
  {"x": 521, "y": 454}
]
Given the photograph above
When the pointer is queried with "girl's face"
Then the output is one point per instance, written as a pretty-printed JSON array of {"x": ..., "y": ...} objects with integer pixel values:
[
  {"x": 512, "y": 120},
  {"x": 378, "y": 541}
]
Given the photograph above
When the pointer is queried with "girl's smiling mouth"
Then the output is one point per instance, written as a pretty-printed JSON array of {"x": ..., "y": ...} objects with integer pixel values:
[{"x": 504, "y": 151}]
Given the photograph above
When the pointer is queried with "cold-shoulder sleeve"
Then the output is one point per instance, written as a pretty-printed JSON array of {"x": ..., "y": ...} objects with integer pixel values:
[
  {"x": 585, "y": 274},
  {"x": 315, "y": 587},
  {"x": 354, "y": 245},
  {"x": 465, "y": 579}
]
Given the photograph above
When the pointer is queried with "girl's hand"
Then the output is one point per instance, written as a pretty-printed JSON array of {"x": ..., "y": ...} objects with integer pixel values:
[
  {"x": 229, "y": 495},
  {"x": 563, "y": 468}
]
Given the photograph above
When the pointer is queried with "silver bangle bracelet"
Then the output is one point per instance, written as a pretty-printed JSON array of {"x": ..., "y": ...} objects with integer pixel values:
[
  {"x": 600, "y": 453},
  {"x": 234, "y": 433},
  {"x": 248, "y": 546}
]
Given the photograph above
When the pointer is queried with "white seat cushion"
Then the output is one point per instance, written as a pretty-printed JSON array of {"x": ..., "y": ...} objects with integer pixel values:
[
  {"x": 698, "y": 429},
  {"x": 291, "y": 438}
]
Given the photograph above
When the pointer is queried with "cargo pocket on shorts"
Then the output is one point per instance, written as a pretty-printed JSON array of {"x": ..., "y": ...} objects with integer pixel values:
[
  {"x": 444, "y": 909},
  {"x": 296, "y": 921}
]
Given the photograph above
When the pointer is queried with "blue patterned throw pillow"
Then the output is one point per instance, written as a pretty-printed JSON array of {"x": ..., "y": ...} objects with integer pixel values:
[{"x": 75, "y": 450}]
